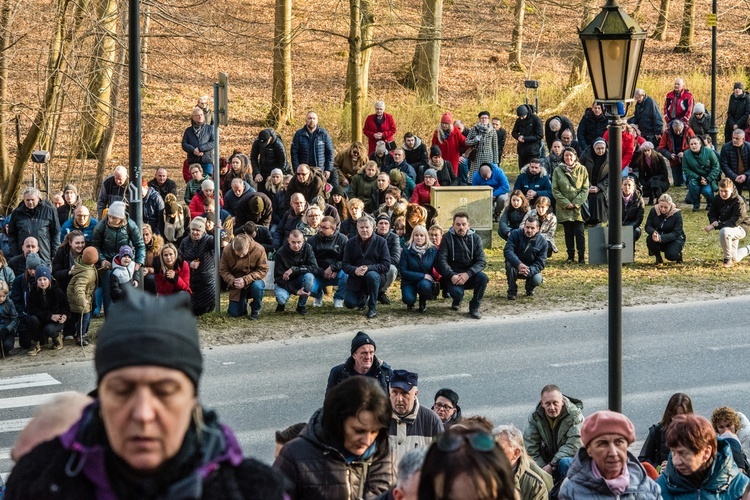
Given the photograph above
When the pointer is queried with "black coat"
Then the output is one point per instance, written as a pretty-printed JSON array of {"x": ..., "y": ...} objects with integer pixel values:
[
  {"x": 648, "y": 119},
  {"x": 384, "y": 162},
  {"x": 61, "y": 265},
  {"x": 41, "y": 223},
  {"x": 203, "y": 140},
  {"x": 300, "y": 263},
  {"x": 288, "y": 223},
  {"x": 244, "y": 214},
  {"x": 375, "y": 256},
  {"x": 532, "y": 130},
  {"x": 657, "y": 170},
  {"x": 632, "y": 213},
  {"x": 266, "y": 157},
  {"x": 731, "y": 212},
  {"x": 168, "y": 187},
  {"x": 598, "y": 202},
  {"x": 203, "y": 279},
  {"x": 394, "y": 247},
  {"x": 737, "y": 114},
  {"x": 590, "y": 127},
  {"x": 380, "y": 371},
  {"x": 329, "y": 251},
  {"x": 550, "y": 136},
  {"x": 109, "y": 193},
  {"x": 729, "y": 161},
  {"x": 669, "y": 228},
  {"x": 44, "y": 303},
  {"x": 530, "y": 251}
]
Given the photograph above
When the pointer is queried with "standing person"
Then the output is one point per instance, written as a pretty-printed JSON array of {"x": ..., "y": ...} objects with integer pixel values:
[
  {"x": 198, "y": 142},
  {"x": 700, "y": 465},
  {"x": 678, "y": 105},
  {"x": 366, "y": 261},
  {"x": 451, "y": 143},
  {"x": 81, "y": 221},
  {"x": 728, "y": 215},
  {"x": 655, "y": 450},
  {"x": 207, "y": 111},
  {"x": 38, "y": 218},
  {"x": 362, "y": 361},
  {"x": 570, "y": 187},
  {"x": 71, "y": 202},
  {"x": 243, "y": 267},
  {"x": 604, "y": 468},
  {"x": 171, "y": 272},
  {"x": 198, "y": 252},
  {"x": 653, "y": 172},
  {"x": 312, "y": 145},
  {"x": 596, "y": 161},
  {"x": 8, "y": 320},
  {"x": 294, "y": 272},
  {"x": 647, "y": 117},
  {"x": 502, "y": 136},
  {"x": 155, "y": 440},
  {"x": 593, "y": 124},
  {"x": 525, "y": 257},
  {"x": 702, "y": 172},
  {"x": 446, "y": 407},
  {"x": 266, "y": 154},
  {"x": 163, "y": 184},
  {"x": 738, "y": 111},
  {"x": 344, "y": 452},
  {"x": 529, "y": 132},
  {"x": 379, "y": 126},
  {"x": 461, "y": 261},
  {"x": 418, "y": 269},
  {"x": 80, "y": 291},
  {"x": 114, "y": 188},
  {"x": 483, "y": 138},
  {"x": 664, "y": 229},
  {"x": 735, "y": 160}
]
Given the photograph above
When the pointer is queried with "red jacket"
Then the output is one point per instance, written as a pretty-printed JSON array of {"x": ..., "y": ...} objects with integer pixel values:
[
  {"x": 180, "y": 283},
  {"x": 196, "y": 204},
  {"x": 421, "y": 194},
  {"x": 678, "y": 107},
  {"x": 628, "y": 146},
  {"x": 667, "y": 147},
  {"x": 388, "y": 129},
  {"x": 451, "y": 147}
]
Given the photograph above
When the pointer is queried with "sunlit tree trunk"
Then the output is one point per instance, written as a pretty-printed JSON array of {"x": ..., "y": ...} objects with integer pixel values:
[
  {"x": 281, "y": 97},
  {"x": 660, "y": 33},
  {"x": 516, "y": 40},
  {"x": 686, "y": 33},
  {"x": 425, "y": 66}
]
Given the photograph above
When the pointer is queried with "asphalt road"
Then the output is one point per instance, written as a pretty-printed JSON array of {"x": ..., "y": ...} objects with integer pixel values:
[{"x": 497, "y": 365}]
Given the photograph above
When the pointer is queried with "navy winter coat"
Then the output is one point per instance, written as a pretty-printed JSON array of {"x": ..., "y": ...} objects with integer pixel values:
[
  {"x": 314, "y": 149},
  {"x": 375, "y": 256}
]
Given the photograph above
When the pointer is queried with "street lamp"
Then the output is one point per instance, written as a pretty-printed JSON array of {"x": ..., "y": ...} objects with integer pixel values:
[{"x": 613, "y": 46}]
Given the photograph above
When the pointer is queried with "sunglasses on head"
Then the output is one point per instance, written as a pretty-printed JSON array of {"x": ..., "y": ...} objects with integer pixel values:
[{"x": 449, "y": 442}]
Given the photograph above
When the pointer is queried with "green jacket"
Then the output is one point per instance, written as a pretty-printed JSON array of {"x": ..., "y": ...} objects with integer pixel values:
[
  {"x": 547, "y": 446},
  {"x": 704, "y": 164},
  {"x": 528, "y": 483},
  {"x": 570, "y": 187},
  {"x": 82, "y": 286}
]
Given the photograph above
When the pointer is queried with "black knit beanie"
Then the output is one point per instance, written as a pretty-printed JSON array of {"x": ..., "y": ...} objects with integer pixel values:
[
  {"x": 360, "y": 339},
  {"x": 144, "y": 330}
]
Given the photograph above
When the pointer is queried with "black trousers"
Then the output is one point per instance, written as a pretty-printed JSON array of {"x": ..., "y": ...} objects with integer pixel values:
[{"x": 574, "y": 237}]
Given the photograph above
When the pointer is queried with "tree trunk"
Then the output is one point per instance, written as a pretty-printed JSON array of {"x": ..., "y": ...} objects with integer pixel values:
[
  {"x": 68, "y": 18},
  {"x": 425, "y": 66},
  {"x": 686, "y": 33},
  {"x": 145, "y": 43},
  {"x": 281, "y": 97},
  {"x": 637, "y": 10},
  {"x": 516, "y": 40},
  {"x": 6, "y": 33},
  {"x": 660, "y": 33},
  {"x": 366, "y": 28},
  {"x": 354, "y": 68},
  {"x": 578, "y": 68},
  {"x": 96, "y": 102}
]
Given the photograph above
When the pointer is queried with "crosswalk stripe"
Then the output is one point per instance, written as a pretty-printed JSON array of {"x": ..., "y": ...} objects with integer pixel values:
[
  {"x": 13, "y": 425},
  {"x": 4, "y": 453},
  {"x": 5, "y": 475},
  {"x": 21, "y": 401},
  {"x": 24, "y": 381}
]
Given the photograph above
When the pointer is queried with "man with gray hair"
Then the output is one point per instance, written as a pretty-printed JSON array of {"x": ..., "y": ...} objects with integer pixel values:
[
  {"x": 114, "y": 188},
  {"x": 647, "y": 117},
  {"x": 532, "y": 483},
  {"x": 366, "y": 261},
  {"x": 38, "y": 218},
  {"x": 409, "y": 472},
  {"x": 735, "y": 160}
]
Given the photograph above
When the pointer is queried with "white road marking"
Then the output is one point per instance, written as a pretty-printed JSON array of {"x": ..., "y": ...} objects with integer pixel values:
[
  {"x": 21, "y": 401},
  {"x": 444, "y": 377},
  {"x": 13, "y": 425},
  {"x": 24, "y": 381}
]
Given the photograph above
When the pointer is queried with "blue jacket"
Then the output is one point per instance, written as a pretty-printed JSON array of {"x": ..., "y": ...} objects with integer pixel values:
[
  {"x": 498, "y": 181},
  {"x": 724, "y": 480},
  {"x": 70, "y": 225},
  {"x": 313, "y": 149},
  {"x": 204, "y": 141},
  {"x": 530, "y": 251},
  {"x": 405, "y": 168},
  {"x": 540, "y": 183},
  {"x": 414, "y": 266},
  {"x": 648, "y": 118}
]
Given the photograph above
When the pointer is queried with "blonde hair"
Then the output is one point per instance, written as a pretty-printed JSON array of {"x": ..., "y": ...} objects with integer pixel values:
[{"x": 420, "y": 229}]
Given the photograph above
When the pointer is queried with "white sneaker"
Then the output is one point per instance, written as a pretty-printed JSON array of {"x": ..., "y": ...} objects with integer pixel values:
[
  {"x": 318, "y": 302},
  {"x": 338, "y": 303}
]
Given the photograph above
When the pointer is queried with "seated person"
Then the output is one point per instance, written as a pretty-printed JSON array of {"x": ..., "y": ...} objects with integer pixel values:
[
  {"x": 632, "y": 207},
  {"x": 123, "y": 273},
  {"x": 535, "y": 180},
  {"x": 653, "y": 175},
  {"x": 48, "y": 306},
  {"x": 701, "y": 169},
  {"x": 547, "y": 222},
  {"x": 446, "y": 407},
  {"x": 728, "y": 215},
  {"x": 364, "y": 184},
  {"x": 310, "y": 224},
  {"x": 525, "y": 257},
  {"x": 356, "y": 208},
  {"x": 730, "y": 422},
  {"x": 328, "y": 247},
  {"x": 243, "y": 267},
  {"x": 380, "y": 156},
  {"x": 513, "y": 214},
  {"x": 291, "y": 219},
  {"x": 294, "y": 272},
  {"x": 193, "y": 186},
  {"x": 491, "y": 175},
  {"x": 664, "y": 229}
]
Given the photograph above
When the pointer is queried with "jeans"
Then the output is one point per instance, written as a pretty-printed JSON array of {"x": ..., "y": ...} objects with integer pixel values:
[
  {"x": 478, "y": 282},
  {"x": 463, "y": 171},
  {"x": 696, "y": 189},
  {"x": 500, "y": 202},
  {"x": 306, "y": 282},
  {"x": 254, "y": 291},
  {"x": 81, "y": 322},
  {"x": 339, "y": 282},
  {"x": 105, "y": 276},
  {"x": 729, "y": 238},
  {"x": 677, "y": 178},
  {"x": 208, "y": 170},
  {"x": 356, "y": 298},
  {"x": 409, "y": 291},
  {"x": 511, "y": 272}
]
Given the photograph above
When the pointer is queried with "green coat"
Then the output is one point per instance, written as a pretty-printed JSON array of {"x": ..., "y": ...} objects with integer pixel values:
[
  {"x": 545, "y": 446},
  {"x": 704, "y": 164},
  {"x": 570, "y": 187},
  {"x": 81, "y": 288}
]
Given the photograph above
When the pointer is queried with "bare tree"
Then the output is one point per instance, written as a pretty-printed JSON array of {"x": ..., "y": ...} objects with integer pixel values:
[
  {"x": 685, "y": 44},
  {"x": 354, "y": 76},
  {"x": 660, "y": 33},
  {"x": 516, "y": 43},
  {"x": 281, "y": 97},
  {"x": 425, "y": 66},
  {"x": 145, "y": 43},
  {"x": 578, "y": 68}
]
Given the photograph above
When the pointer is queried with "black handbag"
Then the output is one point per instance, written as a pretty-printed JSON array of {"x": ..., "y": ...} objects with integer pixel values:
[{"x": 435, "y": 289}]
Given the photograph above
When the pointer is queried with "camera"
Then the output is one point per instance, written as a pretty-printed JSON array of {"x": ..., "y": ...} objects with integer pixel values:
[{"x": 531, "y": 84}]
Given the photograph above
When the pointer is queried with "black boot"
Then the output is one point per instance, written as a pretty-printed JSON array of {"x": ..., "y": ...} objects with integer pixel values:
[
  {"x": 422, "y": 305},
  {"x": 659, "y": 260}
]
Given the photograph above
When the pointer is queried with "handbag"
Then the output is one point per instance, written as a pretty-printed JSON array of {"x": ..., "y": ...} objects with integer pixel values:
[{"x": 435, "y": 289}]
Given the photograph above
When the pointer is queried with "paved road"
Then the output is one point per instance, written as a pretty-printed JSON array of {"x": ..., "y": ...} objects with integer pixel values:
[{"x": 496, "y": 365}]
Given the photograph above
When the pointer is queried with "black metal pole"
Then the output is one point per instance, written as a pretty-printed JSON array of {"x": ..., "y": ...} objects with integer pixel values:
[
  {"x": 615, "y": 263},
  {"x": 713, "y": 130},
  {"x": 134, "y": 110},
  {"x": 217, "y": 206}
]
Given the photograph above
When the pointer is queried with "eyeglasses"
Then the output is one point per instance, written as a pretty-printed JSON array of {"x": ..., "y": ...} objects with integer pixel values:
[
  {"x": 442, "y": 406},
  {"x": 449, "y": 442},
  {"x": 301, "y": 174}
]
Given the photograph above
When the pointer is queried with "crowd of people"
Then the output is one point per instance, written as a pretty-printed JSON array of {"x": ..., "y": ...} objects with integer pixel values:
[{"x": 309, "y": 221}]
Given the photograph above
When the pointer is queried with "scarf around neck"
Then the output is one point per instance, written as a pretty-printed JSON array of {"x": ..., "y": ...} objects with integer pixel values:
[{"x": 617, "y": 485}]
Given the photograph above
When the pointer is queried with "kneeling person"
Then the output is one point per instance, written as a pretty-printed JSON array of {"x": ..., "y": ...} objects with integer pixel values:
[
  {"x": 525, "y": 257},
  {"x": 294, "y": 272}
]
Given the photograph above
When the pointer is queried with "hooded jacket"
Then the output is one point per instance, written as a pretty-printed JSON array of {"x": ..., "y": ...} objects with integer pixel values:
[
  {"x": 581, "y": 483},
  {"x": 590, "y": 127},
  {"x": 724, "y": 480},
  {"x": 321, "y": 470},
  {"x": 731, "y": 212},
  {"x": 416, "y": 156},
  {"x": 362, "y": 187},
  {"x": 460, "y": 254},
  {"x": 80, "y": 290},
  {"x": 530, "y": 251},
  {"x": 251, "y": 267},
  {"x": 541, "y": 183},
  {"x": 547, "y": 445},
  {"x": 380, "y": 371},
  {"x": 532, "y": 130},
  {"x": 266, "y": 157}
]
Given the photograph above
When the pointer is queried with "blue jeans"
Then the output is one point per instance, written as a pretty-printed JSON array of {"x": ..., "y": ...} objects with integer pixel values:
[
  {"x": 563, "y": 465},
  {"x": 255, "y": 291},
  {"x": 208, "y": 170},
  {"x": 696, "y": 189},
  {"x": 105, "y": 276},
  {"x": 306, "y": 282},
  {"x": 81, "y": 321},
  {"x": 339, "y": 282},
  {"x": 356, "y": 298},
  {"x": 409, "y": 291},
  {"x": 463, "y": 171},
  {"x": 478, "y": 282},
  {"x": 511, "y": 273}
]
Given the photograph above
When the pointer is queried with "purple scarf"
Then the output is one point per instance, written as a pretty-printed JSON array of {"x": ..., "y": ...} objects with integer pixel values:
[{"x": 617, "y": 485}]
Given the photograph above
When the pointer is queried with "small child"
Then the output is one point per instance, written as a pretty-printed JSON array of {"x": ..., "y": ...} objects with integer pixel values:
[
  {"x": 8, "y": 320},
  {"x": 83, "y": 283},
  {"x": 123, "y": 273}
]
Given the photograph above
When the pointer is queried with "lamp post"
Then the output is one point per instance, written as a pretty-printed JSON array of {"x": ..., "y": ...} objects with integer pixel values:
[{"x": 613, "y": 45}]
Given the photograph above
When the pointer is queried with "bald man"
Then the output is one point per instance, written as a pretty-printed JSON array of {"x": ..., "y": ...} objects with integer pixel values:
[{"x": 114, "y": 188}]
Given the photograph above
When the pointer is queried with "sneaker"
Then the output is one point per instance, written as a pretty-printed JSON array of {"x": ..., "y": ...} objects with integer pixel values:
[
  {"x": 371, "y": 313},
  {"x": 57, "y": 343},
  {"x": 81, "y": 341},
  {"x": 474, "y": 313},
  {"x": 456, "y": 305},
  {"x": 255, "y": 315},
  {"x": 34, "y": 349},
  {"x": 280, "y": 308},
  {"x": 338, "y": 303},
  {"x": 530, "y": 293},
  {"x": 318, "y": 302},
  {"x": 302, "y": 310}
]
